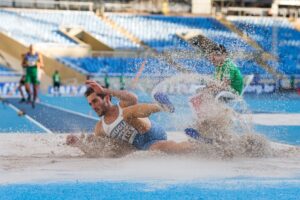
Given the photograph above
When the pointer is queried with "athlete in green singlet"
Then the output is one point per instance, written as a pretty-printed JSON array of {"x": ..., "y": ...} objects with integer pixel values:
[
  {"x": 226, "y": 70},
  {"x": 32, "y": 61}
]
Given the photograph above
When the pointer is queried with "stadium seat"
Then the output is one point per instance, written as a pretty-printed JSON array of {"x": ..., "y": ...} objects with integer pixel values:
[
  {"x": 32, "y": 27},
  {"x": 276, "y": 36},
  {"x": 148, "y": 29}
]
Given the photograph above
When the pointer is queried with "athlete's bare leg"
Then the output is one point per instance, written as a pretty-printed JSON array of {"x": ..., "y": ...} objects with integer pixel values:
[
  {"x": 137, "y": 116},
  {"x": 21, "y": 91},
  {"x": 35, "y": 92},
  {"x": 173, "y": 147},
  {"x": 27, "y": 87}
]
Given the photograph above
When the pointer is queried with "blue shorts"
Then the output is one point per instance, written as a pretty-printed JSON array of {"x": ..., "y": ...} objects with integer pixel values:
[{"x": 155, "y": 134}]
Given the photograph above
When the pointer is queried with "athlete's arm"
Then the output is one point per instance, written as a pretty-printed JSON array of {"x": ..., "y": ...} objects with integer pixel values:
[
  {"x": 126, "y": 98},
  {"x": 226, "y": 82},
  {"x": 24, "y": 64}
]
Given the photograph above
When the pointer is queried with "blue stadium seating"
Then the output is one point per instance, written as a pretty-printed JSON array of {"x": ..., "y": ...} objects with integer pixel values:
[
  {"x": 31, "y": 27},
  {"x": 276, "y": 36},
  {"x": 250, "y": 67},
  {"x": 118, "y": 66},
  {"x": 159, "y": 31},
  {"x": 289, "y": 59},
  {"x": 5, "y": 71},
  {"x": 153, "y": 67},
  {"x": 201, "y": 66}
]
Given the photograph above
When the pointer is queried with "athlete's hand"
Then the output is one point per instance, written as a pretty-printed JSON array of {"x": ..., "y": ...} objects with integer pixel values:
[
  {"x": 72, "y": 140},
  {"x": 95, "y": 86},
  {"x": 226, "y": 82}
]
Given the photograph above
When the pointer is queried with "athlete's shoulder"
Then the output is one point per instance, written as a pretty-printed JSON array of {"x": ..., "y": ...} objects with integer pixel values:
[
  {"x": 230, "y": 62},
  {"x": 99, "y": 131}
]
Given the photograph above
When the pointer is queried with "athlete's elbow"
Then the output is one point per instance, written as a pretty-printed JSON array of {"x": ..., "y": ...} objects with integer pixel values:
[{"x": 134, "y": 99}]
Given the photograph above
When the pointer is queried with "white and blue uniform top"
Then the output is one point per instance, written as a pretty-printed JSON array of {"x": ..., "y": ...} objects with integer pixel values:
[
  {"x": 32, "y": 60},
  {"x": 120, "y": 129}
]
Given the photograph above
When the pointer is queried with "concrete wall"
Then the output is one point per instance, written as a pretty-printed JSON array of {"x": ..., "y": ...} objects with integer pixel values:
[
  {"x": 84, "y": 39},
  {"x": 203, "y": 7},
  {"x": 67, "y": 51},
  {"x": 94, "y": 43}
]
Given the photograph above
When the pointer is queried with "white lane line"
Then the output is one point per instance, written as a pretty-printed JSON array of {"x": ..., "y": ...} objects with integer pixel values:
[
  {"x": 275, "y": 119},
  {"x": 69, "y": 111},
  {"x": 31, "y": 119}
]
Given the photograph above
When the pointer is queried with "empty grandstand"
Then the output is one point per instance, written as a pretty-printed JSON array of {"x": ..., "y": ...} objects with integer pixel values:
[
  {"x": 148, "y": 29},
  {"x": 35, "y": 27},
  {"x": 127, "y": 41}
]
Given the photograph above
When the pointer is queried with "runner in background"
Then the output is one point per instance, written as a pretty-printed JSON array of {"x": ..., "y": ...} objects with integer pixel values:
[
  {"x": 31, "y": 62},
  {"x": 56, "y": 82}
]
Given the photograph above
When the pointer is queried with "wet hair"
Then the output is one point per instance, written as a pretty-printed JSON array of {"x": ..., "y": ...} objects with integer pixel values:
[
  {"x": 219, "y": 49},
  {"x": 90, "y": 91}
]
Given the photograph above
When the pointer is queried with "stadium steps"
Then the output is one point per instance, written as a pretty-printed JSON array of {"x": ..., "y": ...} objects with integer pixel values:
[
  {"x": 262, "y": 55},
  {"x": 5, "y": 61},
  {"x": 123, "y": 31}
]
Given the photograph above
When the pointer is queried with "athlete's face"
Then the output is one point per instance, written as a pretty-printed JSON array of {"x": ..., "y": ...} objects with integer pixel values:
[
  {"x": 99, "y": 105},
  {"x": 217, "y": 59},
  {"x": 31, "y": 49}
]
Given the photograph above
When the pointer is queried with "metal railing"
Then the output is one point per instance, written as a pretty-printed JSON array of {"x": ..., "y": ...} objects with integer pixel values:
[
  {"x": 253, "y": 11},
  {"x": 48, "y": 4}
]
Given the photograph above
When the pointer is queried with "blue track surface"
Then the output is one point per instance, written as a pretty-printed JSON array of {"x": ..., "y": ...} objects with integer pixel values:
[
  {"x": 283, "y": 134},
  {"x": 56, "y": 120},
  {"x": 60, "y": 121},
  {"x": 274, "y": 103},
  {"x": 11, "y": 123},
  {"x": 222, "y": 189}
]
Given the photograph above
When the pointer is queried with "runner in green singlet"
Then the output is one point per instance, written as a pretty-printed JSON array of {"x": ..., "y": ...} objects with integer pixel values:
[{"x": 32, "y": 60}]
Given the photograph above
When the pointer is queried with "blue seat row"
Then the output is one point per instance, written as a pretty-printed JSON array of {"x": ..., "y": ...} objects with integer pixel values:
[
  {"x": 5, "y": 69},
  {"x": 118, "y": 66},
  {"x": 153, "y": 66}
]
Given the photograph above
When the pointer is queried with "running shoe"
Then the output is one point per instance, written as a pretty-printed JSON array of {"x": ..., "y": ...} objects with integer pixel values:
[
  {"x": 163, "y": 100},
  {"x": 22, "y": 100},
  {"x": 193, "y": 133},
  {"x": 28, "y": 99}
]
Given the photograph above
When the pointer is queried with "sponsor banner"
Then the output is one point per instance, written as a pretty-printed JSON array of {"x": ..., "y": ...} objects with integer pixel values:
[
  {"x": 10, "y": 89},
  {"x": 261, "y": 88},
  {"x": 68, "y": 90},
  {"x": 190, "y": 89},
  {"x": 181, "y": 88}
]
